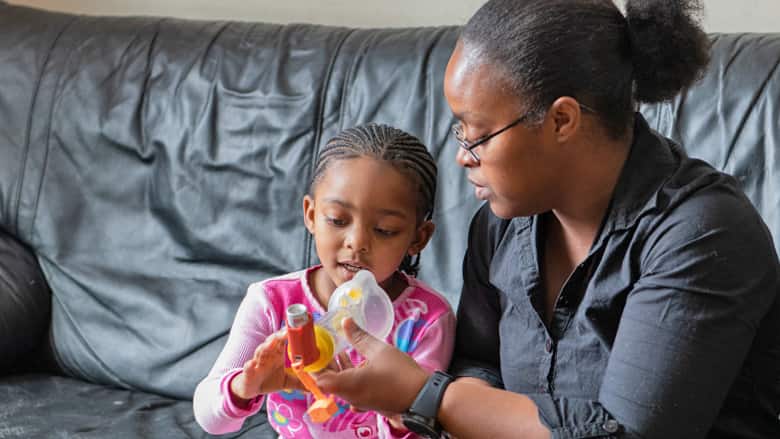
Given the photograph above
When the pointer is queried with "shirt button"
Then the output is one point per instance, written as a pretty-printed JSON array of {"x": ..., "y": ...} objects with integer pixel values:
[
  {"x": 548, "y": 346},
  {"x": 611, "y": 426}
]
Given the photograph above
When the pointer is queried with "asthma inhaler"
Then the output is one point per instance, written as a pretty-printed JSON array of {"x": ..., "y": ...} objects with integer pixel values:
[
  {"x": 312, "y": 345},
  {"x": 316, "y": 343}
]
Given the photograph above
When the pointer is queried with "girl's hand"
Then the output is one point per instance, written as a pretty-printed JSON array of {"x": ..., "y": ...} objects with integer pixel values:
[
  {"x": 265, "y": 372},
  {"x": 387, "y": 381}
]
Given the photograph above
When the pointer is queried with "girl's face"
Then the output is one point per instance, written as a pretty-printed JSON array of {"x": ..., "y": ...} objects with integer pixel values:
[
  {"x": 363, "y": 215},
  {"x": 518, "y": 169}
]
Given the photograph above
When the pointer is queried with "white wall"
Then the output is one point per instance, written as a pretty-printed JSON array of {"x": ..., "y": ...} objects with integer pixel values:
[{"x": 720, "y": 15}]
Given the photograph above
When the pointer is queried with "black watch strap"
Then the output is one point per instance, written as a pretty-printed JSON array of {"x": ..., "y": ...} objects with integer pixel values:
[{"x": 428, "y": 400}]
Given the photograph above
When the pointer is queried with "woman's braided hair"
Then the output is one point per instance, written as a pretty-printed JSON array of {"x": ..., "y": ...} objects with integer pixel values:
[{"x": 396, "y": 147}]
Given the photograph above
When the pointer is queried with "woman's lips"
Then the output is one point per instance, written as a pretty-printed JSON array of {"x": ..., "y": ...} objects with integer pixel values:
[{"x": 480, "y": 191}]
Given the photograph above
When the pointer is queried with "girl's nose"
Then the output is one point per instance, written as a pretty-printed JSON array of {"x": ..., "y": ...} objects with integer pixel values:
[{"x": 358, "y": 240}]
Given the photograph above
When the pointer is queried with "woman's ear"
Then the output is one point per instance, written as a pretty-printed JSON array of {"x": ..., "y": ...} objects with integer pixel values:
[
  {"x": 567, "y": 116},
  {"x": 421, "y": 238},
  {"x": 308, "y": 213}
]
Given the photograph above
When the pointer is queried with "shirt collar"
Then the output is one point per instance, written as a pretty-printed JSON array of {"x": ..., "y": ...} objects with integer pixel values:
[{"x": 651, "y": 160}]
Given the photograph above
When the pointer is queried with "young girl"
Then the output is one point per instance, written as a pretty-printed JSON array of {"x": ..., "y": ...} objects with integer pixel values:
[{"x": 368, "y": 207}]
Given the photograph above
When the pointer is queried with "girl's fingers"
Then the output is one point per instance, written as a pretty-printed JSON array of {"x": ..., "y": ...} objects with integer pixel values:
[
  {"x": 265, "y": 355},
  {"x": 274, "y": 342}
]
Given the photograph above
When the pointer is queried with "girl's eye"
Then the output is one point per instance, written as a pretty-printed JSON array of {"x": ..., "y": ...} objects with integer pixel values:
[
  {"x": 335, "y": 221},
  {"x": 385, "y": 232}
]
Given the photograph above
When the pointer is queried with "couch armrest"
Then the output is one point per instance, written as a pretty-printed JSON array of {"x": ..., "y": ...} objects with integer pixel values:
[{"x": 25, "y": 305}]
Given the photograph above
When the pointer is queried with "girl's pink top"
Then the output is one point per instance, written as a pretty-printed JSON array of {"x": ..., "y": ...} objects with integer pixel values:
[{"x": 424, "y": 328}]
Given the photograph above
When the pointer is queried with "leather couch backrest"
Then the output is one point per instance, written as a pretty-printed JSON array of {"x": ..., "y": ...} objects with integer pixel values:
[
  {"x": 731, "y": 117},
  {"x": 157, "y": 166}
]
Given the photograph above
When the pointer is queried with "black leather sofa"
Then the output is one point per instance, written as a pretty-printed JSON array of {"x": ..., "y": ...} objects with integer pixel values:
[{"x": 150, "y": 169}]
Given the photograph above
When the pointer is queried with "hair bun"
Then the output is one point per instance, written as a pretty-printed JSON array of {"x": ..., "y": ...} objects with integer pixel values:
[{"x": 669, "y": 48}]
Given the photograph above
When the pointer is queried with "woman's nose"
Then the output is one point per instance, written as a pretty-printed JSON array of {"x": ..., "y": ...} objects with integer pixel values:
[{"x": 463, "y": 158}]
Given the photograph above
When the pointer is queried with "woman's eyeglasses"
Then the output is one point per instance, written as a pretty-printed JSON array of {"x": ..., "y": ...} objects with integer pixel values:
[{"x": 469, "y": 146}]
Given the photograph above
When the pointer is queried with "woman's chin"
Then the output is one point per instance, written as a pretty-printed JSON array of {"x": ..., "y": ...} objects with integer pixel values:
[
  {"x": 482, "y": 193},
  {"x": 504, "y": 210}
]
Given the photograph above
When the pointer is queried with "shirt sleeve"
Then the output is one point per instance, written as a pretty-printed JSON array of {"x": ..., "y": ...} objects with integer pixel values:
[
  {"x": 214, "y": 409},
  {"x": 479, "y": 310},
  {"x": 708, "y": 276}
]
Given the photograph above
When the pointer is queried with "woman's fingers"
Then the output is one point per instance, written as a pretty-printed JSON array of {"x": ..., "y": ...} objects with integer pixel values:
[
  {"x": 346, "y": 383},
  {"x": 365, "y": 343},
  {"x": 388, "y": 380},
  {"x": 341, "y": 362}
]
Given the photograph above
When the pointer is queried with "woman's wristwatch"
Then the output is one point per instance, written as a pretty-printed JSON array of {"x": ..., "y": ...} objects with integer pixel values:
[{"x": 421, "y": 416}]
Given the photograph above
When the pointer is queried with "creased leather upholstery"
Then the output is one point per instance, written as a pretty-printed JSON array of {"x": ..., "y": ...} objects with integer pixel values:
[
  {"x": 156, "y": 166},
  {"x": 165, "y": 168},
  {"x": 731, "y": 118},
  {"x": 25, "y": 305}
]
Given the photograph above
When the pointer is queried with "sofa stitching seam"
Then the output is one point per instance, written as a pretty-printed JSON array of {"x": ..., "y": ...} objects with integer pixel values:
[{"x": 28, "y": 133}]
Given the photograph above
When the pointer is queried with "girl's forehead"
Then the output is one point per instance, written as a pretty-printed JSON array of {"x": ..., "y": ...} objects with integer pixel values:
[{"x": 365, "y": 180}]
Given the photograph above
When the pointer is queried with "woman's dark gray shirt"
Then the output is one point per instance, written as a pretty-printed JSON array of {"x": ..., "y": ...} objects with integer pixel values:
[{"x": 670, "y": 328}]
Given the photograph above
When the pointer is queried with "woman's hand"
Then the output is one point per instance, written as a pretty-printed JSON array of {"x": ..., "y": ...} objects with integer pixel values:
[
  {"x": 387, "y": 381},
  {"x": 265, "y": 372},
  {"x": 472, "y": 380}
]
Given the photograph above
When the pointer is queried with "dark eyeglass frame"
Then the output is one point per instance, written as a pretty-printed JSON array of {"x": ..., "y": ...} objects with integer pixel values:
[{"x": 469, "y": 147}]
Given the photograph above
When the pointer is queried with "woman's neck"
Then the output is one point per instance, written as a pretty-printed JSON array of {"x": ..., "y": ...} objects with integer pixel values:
[{"x": 581, "y": 209}]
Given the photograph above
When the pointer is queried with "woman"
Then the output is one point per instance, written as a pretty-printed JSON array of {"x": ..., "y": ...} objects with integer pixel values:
[{"x": 610, "y": 284}]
